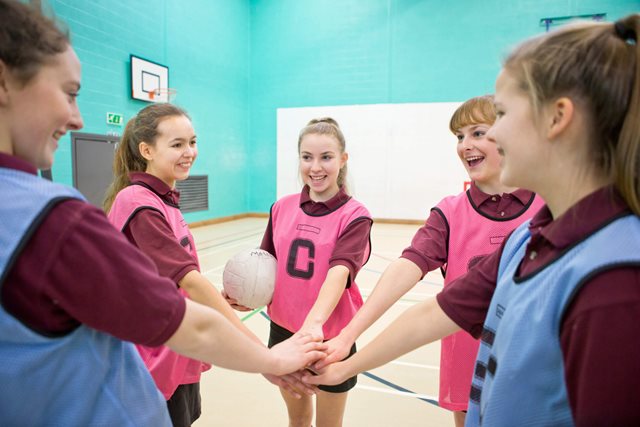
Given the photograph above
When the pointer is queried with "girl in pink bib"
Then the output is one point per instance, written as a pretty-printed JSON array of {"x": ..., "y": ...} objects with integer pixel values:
[
  {"x": 320, "y": 238},
  {"x": 157, "y": 149}
]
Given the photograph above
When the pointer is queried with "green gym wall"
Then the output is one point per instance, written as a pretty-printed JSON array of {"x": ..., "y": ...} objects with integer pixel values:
[{"x": 234, "y": 62}]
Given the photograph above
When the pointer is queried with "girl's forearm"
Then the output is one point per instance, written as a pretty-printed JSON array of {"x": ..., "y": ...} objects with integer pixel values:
[
  {"x": 397, "y": 279},
  {"x": 421, "y": 324},
  {"x": 329, "y": 296},
  {"x": 204, "y": 292}
]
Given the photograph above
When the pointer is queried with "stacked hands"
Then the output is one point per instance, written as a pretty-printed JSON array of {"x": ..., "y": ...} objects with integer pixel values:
[{"x": 320, "y": 361}]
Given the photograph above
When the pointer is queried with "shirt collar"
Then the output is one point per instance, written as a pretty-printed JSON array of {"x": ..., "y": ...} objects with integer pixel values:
[
  {"x": 12, "y": 162},
  {"x": 583, "y": 218},
  {"x": 479, "y": 197},
  {"x": 332, "y": 204},
  {"x": 156, "y": 185}
]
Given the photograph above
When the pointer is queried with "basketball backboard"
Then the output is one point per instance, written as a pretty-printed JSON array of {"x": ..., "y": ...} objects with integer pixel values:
[{"x": 149, "y": 80}]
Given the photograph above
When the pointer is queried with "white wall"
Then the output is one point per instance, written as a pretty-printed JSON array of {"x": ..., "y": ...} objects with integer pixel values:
[{"x": 402, "y": 157}]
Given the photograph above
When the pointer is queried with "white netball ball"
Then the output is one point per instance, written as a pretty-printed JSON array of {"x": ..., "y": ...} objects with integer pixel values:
[{"x": 249, "y": 277}]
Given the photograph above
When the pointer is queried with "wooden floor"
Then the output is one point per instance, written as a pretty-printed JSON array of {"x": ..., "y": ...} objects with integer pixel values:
[{"x": 398, "y": 394}]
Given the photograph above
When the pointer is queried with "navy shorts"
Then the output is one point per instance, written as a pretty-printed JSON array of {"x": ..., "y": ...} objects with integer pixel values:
[
  {"x": 184, "y": 405},
  {"x": 278, "y": 334}
]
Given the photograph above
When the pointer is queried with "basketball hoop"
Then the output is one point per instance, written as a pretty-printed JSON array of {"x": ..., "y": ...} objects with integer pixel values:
[{"x": 162, "y": 94}]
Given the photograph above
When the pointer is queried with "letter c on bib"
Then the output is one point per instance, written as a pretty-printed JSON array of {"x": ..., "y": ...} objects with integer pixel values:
[{"x": 296, "y": 245}]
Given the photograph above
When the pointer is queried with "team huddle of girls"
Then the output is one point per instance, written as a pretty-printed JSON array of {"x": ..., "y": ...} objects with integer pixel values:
[{"x": 536, "y": 326}]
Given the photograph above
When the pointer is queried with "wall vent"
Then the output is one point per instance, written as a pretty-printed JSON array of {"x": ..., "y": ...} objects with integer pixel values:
[{"x": 194, "y": 193}]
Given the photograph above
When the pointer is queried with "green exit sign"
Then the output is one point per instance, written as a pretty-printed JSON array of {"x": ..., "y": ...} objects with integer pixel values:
[{"x": 114, "y": 119}]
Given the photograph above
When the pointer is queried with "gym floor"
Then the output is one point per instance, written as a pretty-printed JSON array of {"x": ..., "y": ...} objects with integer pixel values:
[{"x": 402, "y": 393}]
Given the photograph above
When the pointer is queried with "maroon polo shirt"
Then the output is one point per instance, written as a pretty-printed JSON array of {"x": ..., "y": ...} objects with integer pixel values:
[
  {"x": 351, "y": 245},
  {"x": 601, "y": 355},
  {"x": 149, "y": 230},
  {"x": 77, "y": 269},
  {"x": 428, "y": 248}
]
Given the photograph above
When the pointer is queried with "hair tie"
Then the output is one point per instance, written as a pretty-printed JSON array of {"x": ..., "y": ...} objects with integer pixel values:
[{"x": 624, "y": 32}]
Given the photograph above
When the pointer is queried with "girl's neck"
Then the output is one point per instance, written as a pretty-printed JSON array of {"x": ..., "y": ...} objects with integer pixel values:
[
  {"x": 5, "y": 141},
  {"x": 325, "y": 196},
  {"x": 171, "y": 184},
  {"x": 559, "y": 204},
  {"x": 561, "y": 195}
]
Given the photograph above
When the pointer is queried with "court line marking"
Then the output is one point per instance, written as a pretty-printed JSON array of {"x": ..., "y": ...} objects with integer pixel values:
[
  {"x": 219, "y": 240},
  {"x": 202, "y": 245},
  {"x": 414, "y": 365},
  {"x": 209, "y": 238},
  {"x": 212, "y": 270},
  {"x": 215, "y": 251},
  {"x": 386, "y": 258},
  {"x": 254, "y": 312},
  {"x": 430, "y": 399},
  {"x": 401, "y": 390}
]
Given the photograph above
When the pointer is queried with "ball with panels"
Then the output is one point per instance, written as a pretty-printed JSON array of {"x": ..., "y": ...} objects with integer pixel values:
[{"x": 249, "y": 277}]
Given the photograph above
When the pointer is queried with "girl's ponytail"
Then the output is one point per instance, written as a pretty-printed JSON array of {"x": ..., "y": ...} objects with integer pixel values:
[
  {"x": 124, "y": 162},
  {"x": 627, "y": 151}
]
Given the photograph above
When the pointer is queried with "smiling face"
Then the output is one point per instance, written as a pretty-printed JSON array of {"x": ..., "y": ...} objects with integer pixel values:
[
  {"x": 320, "y": 162},
  {"x": 174, "y": 151},
  {"x": 479, "y": 155},
  {"x": 516, "y": 135},
  {"x": 37, "y": 114}
]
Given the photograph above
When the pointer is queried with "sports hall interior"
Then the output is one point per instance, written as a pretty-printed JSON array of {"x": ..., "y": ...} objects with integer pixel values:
[{"x": 251, "y": 73}]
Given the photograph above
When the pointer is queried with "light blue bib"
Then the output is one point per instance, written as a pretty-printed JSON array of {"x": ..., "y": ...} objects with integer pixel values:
[
  {"x": 84, "y": 378},
  {"x": 519, "y": 375}
]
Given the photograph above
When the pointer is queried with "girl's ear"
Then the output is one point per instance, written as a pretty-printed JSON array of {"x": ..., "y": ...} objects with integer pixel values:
[
  {"x": 4, "y": 84},
  {"x": 343, "y": 158},
  {"x": 560, "y": 115},
  {"x": 146, "y": 151}
]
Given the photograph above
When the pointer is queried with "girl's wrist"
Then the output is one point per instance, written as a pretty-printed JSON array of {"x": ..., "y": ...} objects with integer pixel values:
[
  {"x": 347, "y": 333},
  {"x": 312, "y": 323},
  {"x": 275, "y": 364},
  {"x": 346, "y": 370}
]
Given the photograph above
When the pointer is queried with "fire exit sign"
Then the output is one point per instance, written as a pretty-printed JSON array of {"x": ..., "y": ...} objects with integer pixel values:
[{"x": 114, "y": 119}]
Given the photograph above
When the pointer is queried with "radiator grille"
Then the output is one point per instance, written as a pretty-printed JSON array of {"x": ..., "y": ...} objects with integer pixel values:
[{"x": 194, "y": 193}]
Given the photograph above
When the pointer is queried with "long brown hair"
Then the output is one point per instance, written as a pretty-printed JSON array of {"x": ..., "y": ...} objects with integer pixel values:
[
  {"x": 141, "y": 128},
  {"x": 327, "y": 126},
  {"x": 28, "y": 39},
  {"x": 596, "y": 65}
]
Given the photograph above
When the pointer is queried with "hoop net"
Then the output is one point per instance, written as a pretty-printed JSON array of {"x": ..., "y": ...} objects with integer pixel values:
[{"x": 162, "y": 94}]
